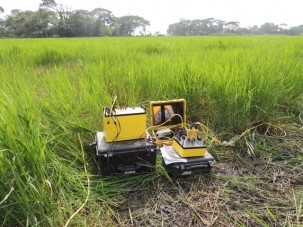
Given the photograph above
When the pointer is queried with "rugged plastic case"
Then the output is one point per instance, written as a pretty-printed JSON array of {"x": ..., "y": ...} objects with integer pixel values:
[
  {"x": 124, "y": 157},
  {"x": 192, "y": 166}
]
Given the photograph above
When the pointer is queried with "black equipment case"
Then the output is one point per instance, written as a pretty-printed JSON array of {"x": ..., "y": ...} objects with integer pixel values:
[
  {"x": 124, "y": 157},
  {"x": 193, "y": 165}
]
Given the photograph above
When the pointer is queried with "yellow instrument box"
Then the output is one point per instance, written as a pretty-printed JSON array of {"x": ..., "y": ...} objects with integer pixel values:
[
  {"x": 124, "y": 124},
  {"x": 189, "y": 148}
]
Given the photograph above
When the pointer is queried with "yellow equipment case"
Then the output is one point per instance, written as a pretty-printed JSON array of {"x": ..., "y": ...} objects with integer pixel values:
[
  {"x": 124, "y": 124},
  {"x": 186, "y": 147},
  {"x": 121, "y": 148}
]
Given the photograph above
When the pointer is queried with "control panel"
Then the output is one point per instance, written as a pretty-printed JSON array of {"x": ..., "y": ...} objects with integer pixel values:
[{"x": 128, "y": 110}]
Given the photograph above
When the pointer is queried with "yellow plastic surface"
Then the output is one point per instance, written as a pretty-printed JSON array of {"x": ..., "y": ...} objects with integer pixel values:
[
  {"x": 189, "y": 152},
  {"x": 130, "y": 127}
]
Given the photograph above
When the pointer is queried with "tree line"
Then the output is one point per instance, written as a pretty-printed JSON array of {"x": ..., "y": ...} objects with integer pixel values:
[
  {"x": 54, "y": 19},
  {"x": 211, "y": 26}
]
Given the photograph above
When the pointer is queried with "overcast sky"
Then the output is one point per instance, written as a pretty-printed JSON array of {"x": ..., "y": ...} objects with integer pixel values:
[{"x": 161, "y": 13}]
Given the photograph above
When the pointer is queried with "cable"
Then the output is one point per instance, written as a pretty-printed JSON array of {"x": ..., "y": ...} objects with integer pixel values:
[
  {"x": 233, "y": 141},
  {"x": 301, "y": 119},
  {"x": 154, "y": 127},
  {"x": 208, "y": 133},
  {"x": 113, "y": 106},
  {"x": 88, "y": 186},
  {"x": 158, "y": 127},
  {"x": 118, "y": 129}
]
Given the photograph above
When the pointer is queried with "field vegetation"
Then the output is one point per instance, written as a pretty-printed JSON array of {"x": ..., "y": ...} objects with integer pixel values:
[{"x": 52, "y": 93}]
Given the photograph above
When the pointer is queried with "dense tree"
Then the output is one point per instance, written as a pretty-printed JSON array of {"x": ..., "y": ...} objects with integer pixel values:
[
  {"x": 283, "y": 28},
  {"x": 104, "y": 15},
  {"x": 104, "y": 22},
  {"x": 28, "y": 23},
  {"x": 298, "y": 30},
  {"x": 81, "y": 23},
  {"x": 2, "y": 24},
  {"x": 17, "y": 22},
  {"x": 127, "y": 25},
  {"x": 269, "y": 28},
  {"x": 180, "y": 28},
  {"x": 45, "y": 22},
  {"x": 232, "y": 27},
  {"x": 214, "y": 25},
  {"x": 196, "y": 27},
  {"x": 254, "y": 29},
  {"x": 39, "y": 22},
  {"x": 63, "y": 13},
  {"x": 211, "y": 26}
]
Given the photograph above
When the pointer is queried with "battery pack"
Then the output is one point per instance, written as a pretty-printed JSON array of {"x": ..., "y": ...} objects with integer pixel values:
[{"x": 124, "y": 157}]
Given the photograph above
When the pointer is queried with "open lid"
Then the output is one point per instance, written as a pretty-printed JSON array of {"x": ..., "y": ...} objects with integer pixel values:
[{"x": 170, "y": 114}]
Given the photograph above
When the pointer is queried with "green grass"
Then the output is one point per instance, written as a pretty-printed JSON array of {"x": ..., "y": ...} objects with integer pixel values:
[{"x": 52, "y": 92}]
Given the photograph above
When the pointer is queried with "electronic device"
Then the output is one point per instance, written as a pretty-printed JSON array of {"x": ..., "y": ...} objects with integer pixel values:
[
  {"x": 183, "y": 150},
  {"x": 124, "y": 123},
  {"x": 125, "y": 146},
  {"x": 188, "y": 144},
  {"x": 122, "y": 147}
]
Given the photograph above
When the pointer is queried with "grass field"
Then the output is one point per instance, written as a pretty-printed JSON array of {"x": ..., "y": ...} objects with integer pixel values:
[{"x": 52, "y": 92}]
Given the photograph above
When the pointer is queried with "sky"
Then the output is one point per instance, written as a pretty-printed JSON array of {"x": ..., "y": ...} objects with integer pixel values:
[{"x": 162, "y": 13}]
